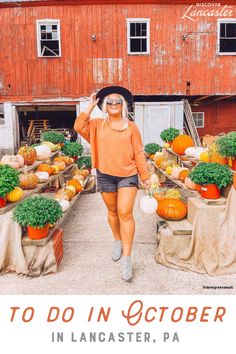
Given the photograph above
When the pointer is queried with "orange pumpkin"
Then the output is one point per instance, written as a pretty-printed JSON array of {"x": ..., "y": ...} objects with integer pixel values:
[
  {"x": 60, "y": 164},
  {"x": 183, "y": 174},
  {"x": 29, "y": 154},
  {"x": 214, "y": 155},
  {"x": 172, "y": 209},
  {"x": 76, "y": 184},
  {"x": 234, "y": 180},
  {"x": 68, "y": 160},
  {"x": 83, "y": 172},
  {"x": 181, "y": 143},
  {"x": 59, "y": 159},
  {"x": 159, "y": 160},
  {"x": 45, "y": 168},
  {"x": 28, "y": 180},
  {"x": 55, "y": 169}
]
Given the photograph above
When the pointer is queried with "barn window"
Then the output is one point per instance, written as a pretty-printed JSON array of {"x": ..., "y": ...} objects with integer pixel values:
[
  {"x": 198, "y": 118},
  {"x": 2, "y": 119},
  {"x": 227, "y": 37},
  {"x": 138, "y": 36},
  {"x": 48, "y": 38}
]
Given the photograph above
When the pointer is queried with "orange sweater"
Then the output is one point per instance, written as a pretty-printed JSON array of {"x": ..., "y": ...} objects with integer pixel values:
[{"x": 116, "y": 153}]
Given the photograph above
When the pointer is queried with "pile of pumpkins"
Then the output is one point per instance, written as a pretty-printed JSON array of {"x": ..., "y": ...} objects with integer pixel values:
[
  {"x": 59, "y": 164},
  {"x": 27, "y": 155},
  {"x": 28, "y": 180},
  {"x": 166, "y": 203},
  {"x": 72, "y": 187},
  {"x": 184, "y": 145},
  {"x": 80, "y": 175},
  {"x": 175, "y": 171},
  {"x": 171, "y": 168}
]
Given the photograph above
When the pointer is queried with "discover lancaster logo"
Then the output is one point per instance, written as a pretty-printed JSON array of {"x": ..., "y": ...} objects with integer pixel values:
[{"x": 193, "y": 12}]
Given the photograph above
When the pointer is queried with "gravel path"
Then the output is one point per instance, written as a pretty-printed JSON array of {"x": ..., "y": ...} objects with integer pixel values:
[{"x": 87, "y": 267}]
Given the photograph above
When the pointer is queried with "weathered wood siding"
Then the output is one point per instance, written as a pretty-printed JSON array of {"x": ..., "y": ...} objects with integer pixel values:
[
  {"x": 219, "y": 117},
  {"x": 86, "y": 65}
]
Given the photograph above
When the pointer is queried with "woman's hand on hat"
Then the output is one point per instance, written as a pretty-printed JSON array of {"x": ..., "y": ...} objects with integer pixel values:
[
  {"x": 92, "y": 104},
  {"x": 92, "y": 100}
]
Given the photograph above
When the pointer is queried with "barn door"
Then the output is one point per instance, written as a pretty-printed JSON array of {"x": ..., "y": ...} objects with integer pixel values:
[{"x": 157, "y": 118}]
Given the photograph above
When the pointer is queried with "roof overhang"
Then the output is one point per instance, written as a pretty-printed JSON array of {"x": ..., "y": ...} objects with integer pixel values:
[
  {"x": 30, "y": 3},
  {"x": 196, "y": 100}
]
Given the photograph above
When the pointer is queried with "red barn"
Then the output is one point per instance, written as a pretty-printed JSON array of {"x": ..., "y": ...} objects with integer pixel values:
[{"x": 55, "y": 53}]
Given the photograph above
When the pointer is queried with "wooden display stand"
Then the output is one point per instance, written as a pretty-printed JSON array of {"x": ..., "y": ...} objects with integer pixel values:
[
  {"x": 26, "y": 241},
  {"x": 195, "y": 201},
  {"x": 41, "y": 256}
]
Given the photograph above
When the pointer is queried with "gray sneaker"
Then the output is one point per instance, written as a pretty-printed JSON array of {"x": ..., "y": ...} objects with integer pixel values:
[
  {"x": 117, "y": 250},
  {"x": 126, "y": 268}
]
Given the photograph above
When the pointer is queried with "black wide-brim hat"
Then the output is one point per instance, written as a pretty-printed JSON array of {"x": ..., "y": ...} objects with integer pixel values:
[{"x": 105, "y": 91}]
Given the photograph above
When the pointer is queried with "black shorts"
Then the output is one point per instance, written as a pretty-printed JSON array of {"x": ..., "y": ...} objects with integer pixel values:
[{"x": 108, "y": 183}]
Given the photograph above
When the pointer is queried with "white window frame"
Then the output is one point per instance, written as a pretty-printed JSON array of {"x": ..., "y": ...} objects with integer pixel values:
[
  {"x": 2, "y": 119},
  {"x": 48, "y": 22},
  {"x": 225, "y": 20},
  {"x": 203, "y": 119},
  {"x": 138, "y": 20}
]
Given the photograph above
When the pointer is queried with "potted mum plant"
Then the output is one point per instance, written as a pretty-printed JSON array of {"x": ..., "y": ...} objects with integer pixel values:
[
  {"x": 151, "y": 148},
  {"x": 72, "y": 150},
  {"x": 168, "y": 135},
  {"x": 227, "y": 147},
  {"x": 37, "y": 213},
  {"x": 212, "y": 177},
  {"x": 53, "y": 137},
  {"x": 9, "y": 180},
  {"x": 84, "y": 162}
]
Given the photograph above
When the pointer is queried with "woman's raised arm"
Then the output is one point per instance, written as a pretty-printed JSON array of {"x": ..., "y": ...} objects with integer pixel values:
[{"x": 82, "y": 125}]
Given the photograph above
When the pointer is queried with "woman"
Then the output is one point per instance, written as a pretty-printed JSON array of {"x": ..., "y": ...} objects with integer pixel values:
[{"x": 118, "y": 156}]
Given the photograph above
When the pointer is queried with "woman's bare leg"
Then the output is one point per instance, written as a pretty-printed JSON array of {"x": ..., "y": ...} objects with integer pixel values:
[
  {"x": 110, "y": 200},
  {"x": 125, "y": 203}
]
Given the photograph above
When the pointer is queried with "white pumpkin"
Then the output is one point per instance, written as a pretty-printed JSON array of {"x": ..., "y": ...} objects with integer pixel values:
[
  {"x": 176, "y": 171},
  {"x": 20, "y": 160},
  {"x": 10, "y": 160},
  {"x": 43, "y": 152},
  {"x": 65, "y": 204},
  {"x": 148, "y": 204},
  {"x": 42, "y": 176},
  {"x": 198, "y": 152},
  {"x": 190, "y": 151},
  {"x": 5, "y": 159},
  {"x": 194, "y": 152},
  {"x": 52, "y": 146}
]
